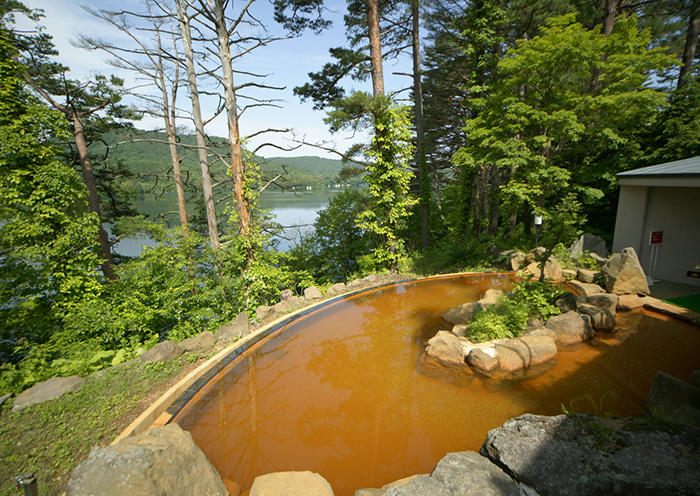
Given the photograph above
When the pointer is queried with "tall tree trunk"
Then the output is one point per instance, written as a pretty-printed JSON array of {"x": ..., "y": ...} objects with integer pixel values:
[
  {"x": 423, "y": 185},
  {"x": 691, "y": 43},
  {"x": 237, "y": 169},
  {"x": 169, "y": 118},
  {"x": 93, "y": 199},
  {"x": 610, "y": 14},
  {"x": 375, "y": 47},
  {"x": 207, "y": 189},
  {"x": 493, "y": 207}
]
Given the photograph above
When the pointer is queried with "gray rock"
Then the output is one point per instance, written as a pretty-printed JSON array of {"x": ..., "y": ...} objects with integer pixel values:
[
  {"x": 571, "y": 328},
  {"x": 629, "y": 302},
  {"x": 602, "y": 320},
  {"x": 370, "y": 278},
  {"x": 47, "y": 390},
  {"x": 286, "y": 294},
  {"x": 668, "y": 395},
  {"x": 490, "y": 298},
  {"x": 525, "y": 352},
  {"x": 588, "y": 243},
  {"x": 588, "y": 455},
  {"x": 313, "y": 293},
  {"x": 694, "y": 379},
  {"x": 281, "y": 307},
  {"x": 481, "y": 361},
  {"x": 238, "y": 329},
  {"x": 201, "y": 341},
  {"x": 552, "y": 270},
  {"x": 291, "y": 484},
  {"x": 624, "y": 274},
  {"x": 263, "y": 312},
  {"x": 535, "y": 255},
  {"x": 515, "y": 260},
  {"x": 447, "y": 348},
  {"x": 4, "y": 398},
  {"x": 569, "y": 274},
  {"x": 460, "y": 474},
  {"x": 599, "y": 260},
  {"x": 336, "y": 289},
  {"x": 460, "y": 330},
  {"x": 587, "y": 276},
  {"x": 167, "y": 350},
  {"x": 586, "y": 289},
  {"x": 161, "y": 461},
  {"x": 566, "y": 302},
  {"x": 608, "y": 301},
  {"x": 462, "y": 314}
]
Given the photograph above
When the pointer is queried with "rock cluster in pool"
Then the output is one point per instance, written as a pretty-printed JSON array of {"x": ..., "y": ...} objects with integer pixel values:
[{"x": 587, "y": 309}]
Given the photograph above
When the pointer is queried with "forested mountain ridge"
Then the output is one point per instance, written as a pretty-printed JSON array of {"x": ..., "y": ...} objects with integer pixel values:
[{"x": 146, "y": 155}]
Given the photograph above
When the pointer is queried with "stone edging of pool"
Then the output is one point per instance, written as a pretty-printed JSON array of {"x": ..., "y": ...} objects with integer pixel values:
[
  {"x": 170, "y": 403},
  {"x": 173, "y": 400}
]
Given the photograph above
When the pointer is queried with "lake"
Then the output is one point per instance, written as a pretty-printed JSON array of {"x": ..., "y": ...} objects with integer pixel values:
[{"x": 288, "y": 208}]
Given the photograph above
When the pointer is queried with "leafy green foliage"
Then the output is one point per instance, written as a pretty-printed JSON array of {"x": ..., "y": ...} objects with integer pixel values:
[{"x": 509, "y": 316}]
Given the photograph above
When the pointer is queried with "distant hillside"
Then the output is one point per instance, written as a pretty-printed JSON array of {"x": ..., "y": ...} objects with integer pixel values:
[{"x": 147, "y": 154}]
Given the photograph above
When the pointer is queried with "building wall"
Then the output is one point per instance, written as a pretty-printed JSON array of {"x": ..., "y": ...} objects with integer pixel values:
[{"x": 673, "y": 210}]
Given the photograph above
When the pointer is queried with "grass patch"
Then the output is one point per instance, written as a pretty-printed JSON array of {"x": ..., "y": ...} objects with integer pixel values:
[
  {"x": 52, "y": 438},
  {"x": 691, "y": 302}
]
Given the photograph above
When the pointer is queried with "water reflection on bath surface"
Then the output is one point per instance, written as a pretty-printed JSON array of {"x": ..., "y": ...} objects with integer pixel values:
[{"x": 338, "y": 392}]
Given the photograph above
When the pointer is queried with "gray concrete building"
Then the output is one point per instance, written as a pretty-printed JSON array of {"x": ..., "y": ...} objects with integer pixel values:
[{"x": 658, "y": 214}]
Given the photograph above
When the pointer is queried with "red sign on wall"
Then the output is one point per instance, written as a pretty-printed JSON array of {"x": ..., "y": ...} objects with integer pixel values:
[{"x": 655, "y": 237}]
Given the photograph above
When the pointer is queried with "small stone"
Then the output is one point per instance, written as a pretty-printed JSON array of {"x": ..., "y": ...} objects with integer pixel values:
[
  {"x": 462, "y": 314},
  {"x": 587, "y": 276},
  {"x": 566, "y": 302},
  {"x": 286, "y": 294},
  {"x": 291, "y": 484},
  {"x": 460, "y": 330},
  {"x": 336, "y": 289},
  {"x": 525, "y": 352},
  {"x": 490, "y": 298},
  {"x": 602, "y": 319},
  {"x": 571, "y": 328},
  {"x": 629, "y": 302},
  {"x": 201, "y": 341},
  {"x": 167, "y": 350},
  {"x": 370, "y": 278},
  {"x": 313, "y": 293},
  {"x": 569, "y": 274},
  {"x": 47, "y": 390},
  {"x": 281, "y": 307},
  {"x": 552, "y": 270},
  {"x": 238, "y": 329},
  {"x": 263, "y": 312},
  {"x": 447, "y": 348},
  {"x": 516, "y": 260},
  {"x": 481, "y": 361},
  {"x": 586, "y": 289}
]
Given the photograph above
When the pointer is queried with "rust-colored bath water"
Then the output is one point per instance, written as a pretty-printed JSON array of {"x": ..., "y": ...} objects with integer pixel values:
[{"x": 338, "y": 392}]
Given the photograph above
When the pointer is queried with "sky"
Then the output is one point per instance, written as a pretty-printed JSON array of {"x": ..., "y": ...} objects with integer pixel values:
[{"x": 287, "y": 62}]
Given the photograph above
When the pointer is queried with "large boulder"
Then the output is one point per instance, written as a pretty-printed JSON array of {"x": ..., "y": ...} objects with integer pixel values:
[
  {"x": 585, "y": 289},
  {"x": 462, "y": 314},
  {"x": 447, "y": 348},
  {"x": 167, "y": 350},
  {"x": 201, "y": 341},
  {"x": 624, "y": 274},
  {"x": 587, "y": 276},
  {"x": 607, "y": 301},
  {"x": 291, "y": 484},
  {"x": 571, "y": 328},
  {"x": 490, "y": 298},
  {"x": 336, "y": 289},
  {"x": 483, "y": 360},
  {"x": 460, "y": 474},
  {"x": 238, "y": 329},
  {"x": 525, "y": 352},
  {"x": 162, "y": 461},
  {"x": 673, "y": 399},
  {"x": 313, "y": 293},
  {"x": 552, "y": 270},
  {"x": 515, "y": 260},
  {"x": 47, "y": 390},
  {"x": 591, "y": 455},
  {"x": 629, "y": 302},
  {"x": 588, "y": 243},
  {"x": 601, "y": 318}
]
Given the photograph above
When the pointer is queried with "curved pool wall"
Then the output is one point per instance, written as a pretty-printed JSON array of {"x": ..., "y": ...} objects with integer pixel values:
[{"x": 355, "y": 407}]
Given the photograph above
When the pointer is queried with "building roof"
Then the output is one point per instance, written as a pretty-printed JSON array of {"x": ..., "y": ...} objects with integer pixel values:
[{"x": 683, "y": 168}]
